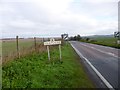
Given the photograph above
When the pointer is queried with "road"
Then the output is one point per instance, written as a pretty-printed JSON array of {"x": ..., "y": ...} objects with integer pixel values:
[{"x": 103, "y": 59}]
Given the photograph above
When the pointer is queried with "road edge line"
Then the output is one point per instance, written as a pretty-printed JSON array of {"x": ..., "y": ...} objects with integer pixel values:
[{"x": 95, "y": 70}]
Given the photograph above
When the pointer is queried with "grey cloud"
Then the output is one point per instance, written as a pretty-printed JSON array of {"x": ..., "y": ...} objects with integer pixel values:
[{"x": 47, "y": 23}]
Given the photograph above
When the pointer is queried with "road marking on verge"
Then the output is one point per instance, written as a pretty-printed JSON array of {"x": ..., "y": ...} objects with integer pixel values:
[
  {"x": 96, "y": 71},
  {"x": 109, "y": 53}
]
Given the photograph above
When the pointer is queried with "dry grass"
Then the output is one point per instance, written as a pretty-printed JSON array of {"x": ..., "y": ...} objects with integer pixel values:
[
  {"x": 23, "y": 52},
  {"x": 26, "y": 47}
]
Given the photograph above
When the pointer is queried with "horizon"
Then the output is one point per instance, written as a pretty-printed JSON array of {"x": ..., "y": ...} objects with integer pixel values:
[{"x": 38, "y": 36}]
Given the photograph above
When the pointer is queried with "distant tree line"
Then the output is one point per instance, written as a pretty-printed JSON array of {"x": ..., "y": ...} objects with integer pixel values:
[
  {"x": 75, "y": 38},
  {"x": 79, "y": 38}
]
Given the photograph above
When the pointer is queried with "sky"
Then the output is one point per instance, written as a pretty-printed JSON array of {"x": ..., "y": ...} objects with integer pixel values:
[{"x": 51, "y": 18}]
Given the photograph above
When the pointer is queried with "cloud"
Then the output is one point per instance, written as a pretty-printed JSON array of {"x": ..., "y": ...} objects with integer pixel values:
[
  {"x": 22, "y": 24},
  {"x": 53, "y": 17}
]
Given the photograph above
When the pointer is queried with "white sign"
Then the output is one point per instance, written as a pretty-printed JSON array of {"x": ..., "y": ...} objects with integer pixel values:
[{"x": 52, "y": 42}]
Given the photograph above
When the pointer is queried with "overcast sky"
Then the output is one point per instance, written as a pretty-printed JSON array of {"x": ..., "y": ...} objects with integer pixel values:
[{"x": 54, "y": 17}]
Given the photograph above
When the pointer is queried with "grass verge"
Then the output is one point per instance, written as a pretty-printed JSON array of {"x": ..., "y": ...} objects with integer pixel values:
[
  {"x": 105, "y": 41},
  {"x": 34, "y": 71}
]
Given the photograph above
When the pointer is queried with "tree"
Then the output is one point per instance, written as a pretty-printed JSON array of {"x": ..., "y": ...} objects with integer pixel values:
[
  {"x": 75, "y": 38},
  {"x": 78, "y": 37},
  {"x": 87, "y": 39}
]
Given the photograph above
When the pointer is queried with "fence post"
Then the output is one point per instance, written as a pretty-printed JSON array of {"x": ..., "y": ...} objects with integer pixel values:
[
  {"x": 43, "y": 39},
  {"x": 35, "y": 43},
  {"x": 48, "y": 39},
  {"x": 17, "y": 42}
]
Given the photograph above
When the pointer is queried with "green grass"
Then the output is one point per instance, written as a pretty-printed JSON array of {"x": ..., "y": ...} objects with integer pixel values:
[
  {"x": 10, "y": 46},
  {"x": 35, "y": 71},
  {"x": 105, "y": 41}
]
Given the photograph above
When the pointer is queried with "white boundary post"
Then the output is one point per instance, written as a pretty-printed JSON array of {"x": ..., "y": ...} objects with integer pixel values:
[
  {"x": 48, "y": 53},
  {"x": 60, "y": 52}
]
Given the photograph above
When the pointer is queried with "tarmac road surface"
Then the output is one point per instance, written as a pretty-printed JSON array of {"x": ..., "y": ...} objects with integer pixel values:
[{"x": 103, "y": 59}]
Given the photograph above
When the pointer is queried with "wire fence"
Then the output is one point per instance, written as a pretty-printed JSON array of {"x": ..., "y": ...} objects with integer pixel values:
[{"x": 18, "y": 47}]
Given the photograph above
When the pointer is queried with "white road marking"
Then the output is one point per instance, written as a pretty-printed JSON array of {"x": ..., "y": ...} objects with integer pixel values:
[
  {"x": 96, "y": 71},
  {"x": 108, "y": 53}
]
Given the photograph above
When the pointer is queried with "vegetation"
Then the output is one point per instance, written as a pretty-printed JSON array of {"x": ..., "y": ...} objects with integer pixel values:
[
  {"x": 110, "y": 41},
  {"x": 10, "y": 46},
  {"x": 105, "y": 41},
  {"x": 76, "y": 38},
  {"x": 35, "y": 71}
]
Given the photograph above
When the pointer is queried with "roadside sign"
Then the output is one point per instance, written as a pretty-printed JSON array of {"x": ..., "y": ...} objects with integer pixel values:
[
  {"x": 53, "y": 42},
  {"x": 64, "y": 36},
  {"x": 117, "y": 34}
]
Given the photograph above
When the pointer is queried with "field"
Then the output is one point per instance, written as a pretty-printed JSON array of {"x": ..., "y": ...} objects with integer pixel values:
[
  {"x": 105, "y": 41},
  {"x": 9, "y": 46},
  {"x": 35, "y": 71}
]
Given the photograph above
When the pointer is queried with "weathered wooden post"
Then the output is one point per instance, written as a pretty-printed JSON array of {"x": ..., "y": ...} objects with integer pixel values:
[
  {"x": 17, "y": 42},
  {"x": 48, "y": 39},
  {"x": 42, "y": 39},
  {"x": 35, "y": 43}
]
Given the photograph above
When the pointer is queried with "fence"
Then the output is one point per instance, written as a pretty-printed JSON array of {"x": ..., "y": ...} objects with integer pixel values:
[{"x": 18, "y": 47}]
